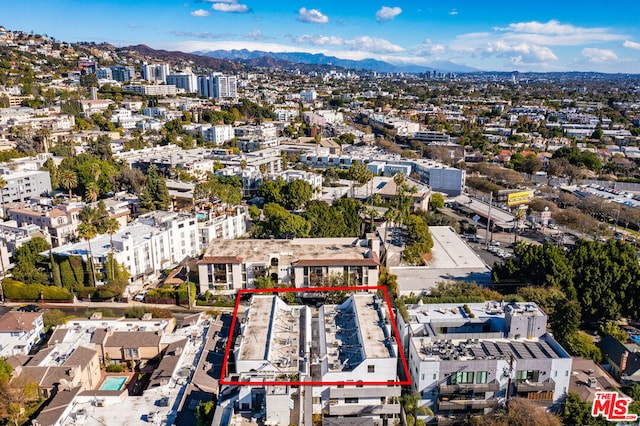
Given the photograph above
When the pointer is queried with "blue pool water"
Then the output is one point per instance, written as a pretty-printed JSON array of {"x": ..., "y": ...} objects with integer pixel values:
[{"x": 113, "y": 383}]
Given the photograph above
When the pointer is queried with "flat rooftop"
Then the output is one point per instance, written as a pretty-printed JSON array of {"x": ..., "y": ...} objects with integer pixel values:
[
  {"x": 290, "y": 251},
  {"x": 272, "y": 333},
  {"x": 451, "y": 259},
  {"x": 354, "y": 332},
  {"x": 481, "y": 349}
]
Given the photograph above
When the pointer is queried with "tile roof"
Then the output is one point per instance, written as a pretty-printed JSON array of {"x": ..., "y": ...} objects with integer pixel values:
[
  {"x": 133, "y": 339},
  {"x": 18, "y": 321}
]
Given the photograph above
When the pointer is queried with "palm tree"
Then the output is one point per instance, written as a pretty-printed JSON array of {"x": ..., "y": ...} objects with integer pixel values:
[
  {"x": 390, "y": 216},
  {"x": 243, "y": 165},
  {"x": 69, "y": 180},
  {"x": 88, "y": 231},
  {"x": 43, "y": 136},
  {"x": 95, "y": 171},
  {"x": 3, "y": 185},
  {"x": 92, "y": 192},
  {"x": 111, "y": 226}
]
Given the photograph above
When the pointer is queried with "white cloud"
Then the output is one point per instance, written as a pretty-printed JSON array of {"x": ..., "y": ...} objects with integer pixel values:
[
  {"x": 230, "y": 6},
  {"x": 312, "y": 15},
  {"x": 200, "y": 12},
  {"x": 362, "y": 43},
  {"x": 428, "y": 47},
  {"x": 387, "y": 13},
  {"x": 553, "y": 33},
  {"x": 453, "y": 12},
  {"x": 631, "y": 44},
  {"x": 599, "y": 56},
  {"x": 257, "y": 35},
  {"x": 522, "y": 53}
]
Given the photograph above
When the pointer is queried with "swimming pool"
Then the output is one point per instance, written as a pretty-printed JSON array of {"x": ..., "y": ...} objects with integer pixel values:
[{"x": 114, "y": 383}]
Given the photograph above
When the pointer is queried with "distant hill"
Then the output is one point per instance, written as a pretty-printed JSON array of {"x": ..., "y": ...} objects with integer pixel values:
[
  {"x": 247, "y": 57},
  {"x": 143, "y": 51}
]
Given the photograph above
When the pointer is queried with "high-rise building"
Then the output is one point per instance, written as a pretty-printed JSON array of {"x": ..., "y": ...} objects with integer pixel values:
[
  {"x": 123, "y": 73},
  {"x": 225, "y": 86},
  {"x": 155, "y": 72},
  {"x": 187, "y": 81},
  {"x": 217, "y": 85}
]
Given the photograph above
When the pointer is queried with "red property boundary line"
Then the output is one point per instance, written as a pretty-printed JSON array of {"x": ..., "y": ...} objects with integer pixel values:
[{"x": 230, "y": 339}]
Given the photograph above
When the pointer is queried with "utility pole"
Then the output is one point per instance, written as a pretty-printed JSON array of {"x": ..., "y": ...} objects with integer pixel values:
[
  {"x": 511, "y": 359},
  {"x": 489, "y": 219}
]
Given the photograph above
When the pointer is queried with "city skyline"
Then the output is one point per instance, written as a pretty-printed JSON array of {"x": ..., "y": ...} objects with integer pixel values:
[{"x": 552, "y": 36}]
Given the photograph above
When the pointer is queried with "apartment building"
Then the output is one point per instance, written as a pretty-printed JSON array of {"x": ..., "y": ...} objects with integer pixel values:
[
  {"x": 218, "y": 134},
  {"x": 155, "y": 72},
  {"x": 60, "y": 222},
  {"x": 466, "y": 358},
  {"x": 19, "y": 332},
  {"x": 151, "y": 89},
  {"x": 226, "y": 224},
  {"x": 300, "y": 262},
  {"x": 24, "y": 184},
  {"x": 217, "y": 85},
  {"x": 186, "y": 81},
  {"x": 153, "y": 243},
  {"x": 341, "y": 345}
]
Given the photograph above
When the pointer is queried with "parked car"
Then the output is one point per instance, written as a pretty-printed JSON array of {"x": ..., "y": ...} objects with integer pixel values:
[
  {"x": 140, "y": 296},
  {"x": 29, "y": 308}
]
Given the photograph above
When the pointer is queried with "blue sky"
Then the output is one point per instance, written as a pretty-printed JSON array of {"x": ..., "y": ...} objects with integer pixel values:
[{"x": 541, "y": 35}]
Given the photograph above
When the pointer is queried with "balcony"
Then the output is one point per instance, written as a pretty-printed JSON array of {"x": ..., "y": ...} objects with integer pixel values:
[
  {"x": 492, "y": 386},
  {"x": 546, "y": 386},
  {"x": 466, "y": 404}
]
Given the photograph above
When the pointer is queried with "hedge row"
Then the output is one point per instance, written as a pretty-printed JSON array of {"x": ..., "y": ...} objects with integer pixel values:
[{"x": 15, "y": 290}]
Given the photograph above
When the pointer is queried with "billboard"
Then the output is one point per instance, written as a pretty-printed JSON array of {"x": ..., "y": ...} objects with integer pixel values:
[{"x": 521, "y": 197}]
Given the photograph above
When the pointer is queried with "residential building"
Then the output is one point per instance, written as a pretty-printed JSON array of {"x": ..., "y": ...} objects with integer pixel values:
[
  {"x": 13, "y": 236},
  {"x": 151, "y": 244},
  {"x": 25, "y": 184},
  {"x": 300, "y": 262},
  {"x": 186, "y": 81},
  {"x": 123, "y": 73},
  {"x": 19, "y": 332},
  {"x": 225, "y": 86},
  {"x": 226, "y": 224},
  {"x": 623, "y": 358},
  {"x": 155, "y": 72},
  {"x": 341, "y": 345},
  {"x": 151, "y": 89},
  {"x": 60, "y": 222},
  {"x": 218, "y": 134},
  {"x": 465, "y": 358}
]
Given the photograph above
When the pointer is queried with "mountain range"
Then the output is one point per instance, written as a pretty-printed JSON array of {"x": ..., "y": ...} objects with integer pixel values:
[{"x": 252, "y": 58}]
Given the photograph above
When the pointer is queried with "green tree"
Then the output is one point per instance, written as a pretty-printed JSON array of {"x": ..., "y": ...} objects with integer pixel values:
[
  {"x": 437, "y": 201},
  {"x": 296, "y": 193},
  {"x": 29, "y": 267},
  {"x": 111, "y": 227},
  {"x": 88, "y": 231},
  {"x": 155, "y": 195},
  {"x": 578, "y": 412},
  {"x": 565, "y": 320},
  {"x": 204, "y": 413},
  {"x": 69, "y": 180},
  {"x": 612, "y": 328}
]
